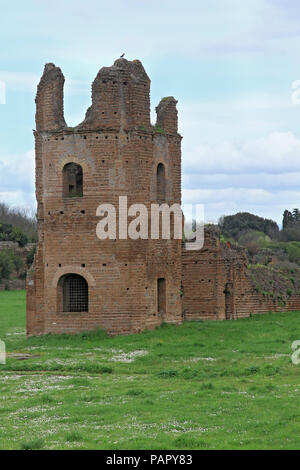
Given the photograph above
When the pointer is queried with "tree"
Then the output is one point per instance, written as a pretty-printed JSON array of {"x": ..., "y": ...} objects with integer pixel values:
[
  {"x": 287, "y": 219},
  {"x": 9, "y": 232},
  {"x": 236, "y": 225},
  {"x": 291, "y": 225},
  {"x": 22, "y": 219},
  {"x": 6, "y": 264}
]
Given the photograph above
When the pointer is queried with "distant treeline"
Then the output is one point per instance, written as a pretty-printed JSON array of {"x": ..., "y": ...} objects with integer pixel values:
[
  {"x": 236, "y": 226},
  {"x": 17, "y": 225}
]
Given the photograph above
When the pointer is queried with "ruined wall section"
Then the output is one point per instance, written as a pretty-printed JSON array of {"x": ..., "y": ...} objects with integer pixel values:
[
  {"x": 49, "y": 118},
  {"x": 120, "y": 98},
  {"x": 203, "y": 280},
  {"x": 244, "y": 298},
  {"x": 216, "y": 284},
  {"x": 167, "y": 117}
]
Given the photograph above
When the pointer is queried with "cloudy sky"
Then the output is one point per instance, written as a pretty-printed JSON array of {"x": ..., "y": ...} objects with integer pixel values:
[{"x": 230, "y": 63}]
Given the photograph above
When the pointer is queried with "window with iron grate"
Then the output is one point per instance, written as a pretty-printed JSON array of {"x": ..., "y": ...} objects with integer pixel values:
[{"x": 75, "y": 294}]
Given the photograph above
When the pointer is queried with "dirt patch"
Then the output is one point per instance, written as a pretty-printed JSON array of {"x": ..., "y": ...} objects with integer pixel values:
[{"x": 21, "y": 356}]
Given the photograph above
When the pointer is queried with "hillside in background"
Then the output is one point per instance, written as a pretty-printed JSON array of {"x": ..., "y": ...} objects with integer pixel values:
[
  {"x": 17, "y": 225},
  {"x": 18, "y": 237}
]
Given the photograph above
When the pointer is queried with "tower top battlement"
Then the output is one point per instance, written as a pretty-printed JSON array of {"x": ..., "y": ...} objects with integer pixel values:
[{"x": 120, "y": 100}]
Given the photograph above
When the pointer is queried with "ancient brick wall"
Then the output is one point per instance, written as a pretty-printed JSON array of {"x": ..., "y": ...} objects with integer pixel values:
[
  {"x": 216, "y": 285},
  {"x": 247, "y": 301},
  {"x": 203, "y": 281},
  {"x": 118, "y": 151}
]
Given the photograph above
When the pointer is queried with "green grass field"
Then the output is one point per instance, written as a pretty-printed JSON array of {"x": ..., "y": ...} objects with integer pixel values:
[{"x": 201, "y": 385}]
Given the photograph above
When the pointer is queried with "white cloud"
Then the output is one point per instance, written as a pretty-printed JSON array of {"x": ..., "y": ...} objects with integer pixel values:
[
  {"x": 19, "y": 81},
  {"x": 258, "y": 175},
  {"x": 217, "y": 202},
  {"x": 278, "y": 152},
  {"x": 143, "y": 28},
  {"x": 27, "y": 82},
  {"x": 17, "y": 179}
]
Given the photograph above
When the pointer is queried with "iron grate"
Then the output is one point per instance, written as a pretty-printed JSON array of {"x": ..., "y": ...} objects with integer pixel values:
[{"x": 76, "y": 294}]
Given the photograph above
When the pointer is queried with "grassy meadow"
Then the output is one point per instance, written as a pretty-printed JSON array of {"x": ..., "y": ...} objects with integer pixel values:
[{"x": 201, "y": 385}]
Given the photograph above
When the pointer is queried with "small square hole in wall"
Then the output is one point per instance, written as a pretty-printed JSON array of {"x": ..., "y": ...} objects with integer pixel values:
[
  {"x": 104, "y": 264},
  {"x": 83, "y": 265},
  {"x": 59, "y": 265},
  {"x": 61, "y": 212},
  {"x": 82, "y": 212}
]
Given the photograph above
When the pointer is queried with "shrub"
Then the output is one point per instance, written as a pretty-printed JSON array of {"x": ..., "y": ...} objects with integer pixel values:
[
  {"x": 23, "y": 221},
  {"x": 9, "y": 232},
  {"x": 168, "y": 373},
  {"x": 73, "y": 436},
  {"x": 9, "y": 262},
  {"x": 6, "y": 264},
  {"x": 32, "y": 445}
]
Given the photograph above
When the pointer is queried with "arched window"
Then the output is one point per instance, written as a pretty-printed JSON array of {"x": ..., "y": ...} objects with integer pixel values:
[
  {"x": 74, "y": 293},
  {"x": 72, "y": 180},
  {"x": 160, "y": 183}
]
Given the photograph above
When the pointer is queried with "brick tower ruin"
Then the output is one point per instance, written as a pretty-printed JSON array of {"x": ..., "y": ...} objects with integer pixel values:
[{"x": 79, "y": 282}]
